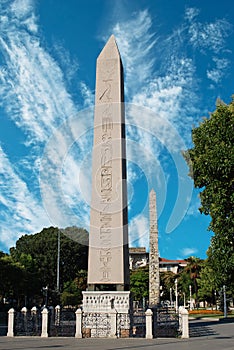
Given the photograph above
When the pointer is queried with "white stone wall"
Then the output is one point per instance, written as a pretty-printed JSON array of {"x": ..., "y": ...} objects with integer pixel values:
[{"x": 106, "y": 301}]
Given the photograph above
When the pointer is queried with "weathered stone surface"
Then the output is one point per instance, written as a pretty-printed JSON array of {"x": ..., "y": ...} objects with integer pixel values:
[
  {"x": 108, "y": 238},
  {"x": 106, "y": 301},
  {"x": 100, "y": 309},
  {"x": 154, "y": 280}
]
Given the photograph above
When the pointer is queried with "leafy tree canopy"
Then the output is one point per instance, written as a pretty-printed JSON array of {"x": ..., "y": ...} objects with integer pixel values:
[
  {"x": 38, "y": 253},
  {"x": 72, "y": 292},
  {"x": 207, "y": 284},
  {"x": 193, "y": 270},
  {"x": 139, "y": 283},
  {"x": 13, "y": 279},
  {"x": 211, "y": 163}
]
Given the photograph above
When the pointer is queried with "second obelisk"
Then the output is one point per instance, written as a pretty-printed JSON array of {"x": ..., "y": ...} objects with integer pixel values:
[{"x": 108, "y": 264}]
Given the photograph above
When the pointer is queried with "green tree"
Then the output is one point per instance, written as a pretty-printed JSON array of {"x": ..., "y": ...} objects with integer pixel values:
[
  {"x": 139, "y": 283},
  {"x": 211, "y": 163},
  {"x": 167, "y": 283},
  {"x": 207, "y": 283},
  {"x": 72, "y": 292},
  {"x": 184, "y": 283},
  {"x": 13, "y": 280},
  {"x": 38, "y": 254},
  {"x": 193, "y": 269}
]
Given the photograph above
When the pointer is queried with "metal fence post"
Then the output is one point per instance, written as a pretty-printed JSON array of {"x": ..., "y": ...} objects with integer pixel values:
[
  {"x": 148, "y": 315},
  {"x": 10, "y": 330},
  {"x": 44, "y": 327},
  {"x": 78, "y": 323}
]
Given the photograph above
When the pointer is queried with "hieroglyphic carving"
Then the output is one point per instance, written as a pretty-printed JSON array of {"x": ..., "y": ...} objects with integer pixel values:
[
  {"x": 108, "y": 254},
  {"x": 106, "y": 179},
  {"x": 108, "y": 69}
]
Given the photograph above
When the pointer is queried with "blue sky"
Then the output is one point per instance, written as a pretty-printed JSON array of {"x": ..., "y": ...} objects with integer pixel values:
[{"x": 178, "y": 59}]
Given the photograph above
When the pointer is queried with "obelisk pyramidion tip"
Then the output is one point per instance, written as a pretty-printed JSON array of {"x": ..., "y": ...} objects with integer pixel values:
[{"x": 110, "y": 50}]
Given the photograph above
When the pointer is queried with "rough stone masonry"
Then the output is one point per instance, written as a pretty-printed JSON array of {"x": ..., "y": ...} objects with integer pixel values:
[{"x": 154, "y": 280}]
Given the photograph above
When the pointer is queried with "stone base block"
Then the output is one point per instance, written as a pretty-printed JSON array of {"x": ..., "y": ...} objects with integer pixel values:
[
  {"x": 106, "y": 314},
  {"x": 96, "y": 301}
]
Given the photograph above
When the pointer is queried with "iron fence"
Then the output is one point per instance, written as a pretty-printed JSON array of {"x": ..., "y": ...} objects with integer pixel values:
[
  {"x": 138, "y": 323},
  {"x": 165, "y": 323},
  {"x": 27, "y": 323},
  {"x": 62, "y": 323},
  {"x": 3, "y": 323}
]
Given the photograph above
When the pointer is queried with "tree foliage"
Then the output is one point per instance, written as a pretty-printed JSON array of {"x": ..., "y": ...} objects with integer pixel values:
[
  {"x": 193, "y": 270},
  {"x": 211, "y": 163},
  {"x": 139, "y": 283},
  {"x": 11, "y": 275},
  {"x": 207, "y": 284},
  {"x": 167, "y": 282},
  {"x": 38, "y": 254},
  {"x": 189, "y": 276},
  {"x": 72, "y": 292}
]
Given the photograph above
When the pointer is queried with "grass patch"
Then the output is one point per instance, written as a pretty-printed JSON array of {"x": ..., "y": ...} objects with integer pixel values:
[
  {"x": 208, "y": 313},
  {"x": 205, "y": 312}
]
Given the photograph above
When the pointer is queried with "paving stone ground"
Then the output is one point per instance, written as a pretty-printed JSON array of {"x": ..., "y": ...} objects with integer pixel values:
[{"x": 213, "y": 335}]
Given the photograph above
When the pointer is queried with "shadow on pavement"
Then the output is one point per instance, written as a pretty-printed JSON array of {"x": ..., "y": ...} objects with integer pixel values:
[{"x": 202, "y": 328}]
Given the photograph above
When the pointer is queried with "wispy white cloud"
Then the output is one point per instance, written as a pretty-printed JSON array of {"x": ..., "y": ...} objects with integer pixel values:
[
  {"x": 69, "y": 65},
  {"x": 188, "y": 251},
  {"x": 168, "y": 88},
  {"x": 136, "y": 41},
  {"x": 217, "y": 73},
  {"x": 65, "y": 176},
  {"x": 205, "y": 36},
  {"x": 210, "y": 37},
  {"x": 191, "y": 13},
  {"x": 139, "y": 231},
  {"x": 34, "y": 93},
  {"x": 87, "y": 94},
  {"x": 21, "y": 212},
  {"x": 193, "y": 209}
]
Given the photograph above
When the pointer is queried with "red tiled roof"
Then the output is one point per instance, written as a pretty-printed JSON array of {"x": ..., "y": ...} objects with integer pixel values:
[{"x": 172, "y": 261}]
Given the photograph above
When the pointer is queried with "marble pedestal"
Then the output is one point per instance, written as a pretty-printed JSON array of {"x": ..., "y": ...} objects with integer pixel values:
[{"x": 106, "y": 314}]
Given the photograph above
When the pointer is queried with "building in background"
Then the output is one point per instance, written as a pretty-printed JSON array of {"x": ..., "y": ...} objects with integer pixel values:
[{"x": 139, "y": 257}]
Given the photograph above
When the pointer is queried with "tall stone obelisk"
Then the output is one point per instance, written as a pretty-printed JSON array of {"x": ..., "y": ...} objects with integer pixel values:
[
  {"x": 108, "y": 262},
  {"x": 154, "y": 279}
]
